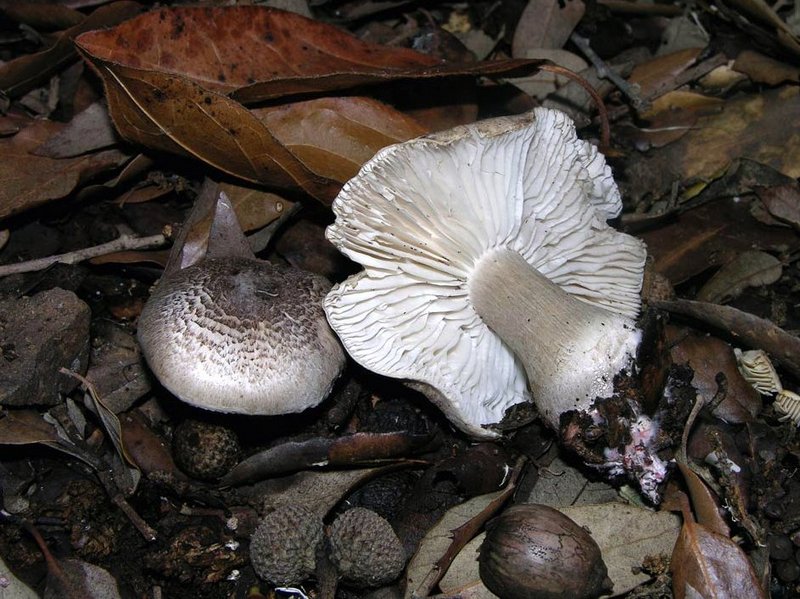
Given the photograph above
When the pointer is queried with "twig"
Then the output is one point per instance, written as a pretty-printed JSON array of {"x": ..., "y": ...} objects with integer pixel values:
[
  {"x": 604, "y": 72},
  {"x": 121, "y": 243}
]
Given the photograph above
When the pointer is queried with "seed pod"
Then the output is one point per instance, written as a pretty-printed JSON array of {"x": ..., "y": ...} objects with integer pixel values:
[
  {"x": 283, "y": 548},
  {"x": 536, "y": 552},
  {"x": 365, "y": 549}
]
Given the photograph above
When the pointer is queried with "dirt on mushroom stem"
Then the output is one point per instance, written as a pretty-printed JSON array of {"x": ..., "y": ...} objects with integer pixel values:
[{"x": 576, "y": 356}]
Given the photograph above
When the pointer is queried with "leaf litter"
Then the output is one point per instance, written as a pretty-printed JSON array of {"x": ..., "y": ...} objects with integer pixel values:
[{"x": 278, "y": 111}]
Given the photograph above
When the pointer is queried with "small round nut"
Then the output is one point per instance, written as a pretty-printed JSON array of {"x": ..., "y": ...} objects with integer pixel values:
[
  {"x": 283, "y": 548},
  {"x": 365, "y": 548},
  {"x": 534, "y": 551},
  {"x": 204, "y": 451}
]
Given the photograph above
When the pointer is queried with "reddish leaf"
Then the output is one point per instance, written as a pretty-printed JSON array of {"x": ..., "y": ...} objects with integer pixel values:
[
  {"x": 304, "y": 55},
  {"x": 704, "y": 502},
  {"x": 226, "y": 48},
  {"x": 709, "y": 565}
]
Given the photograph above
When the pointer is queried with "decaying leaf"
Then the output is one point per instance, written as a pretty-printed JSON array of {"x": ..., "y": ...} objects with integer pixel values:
[
  {"x": 319, "y": 491},
  {"x": 709, "y": 565},
  {"x": 708, "y": 357},
  {"x": 545, "y": 24},
  {"x": 449, "y": 535},
  {"x": 712, "y": 235},
  {"x": 705, "y": 504},
  {"x": 748, "y": 269},
  {"x": 760, "y": 127},
  {"x": 782, "y": 202},
  {"x": 81, "y": 579},
  {"x": 29, "y": 181},
  {"x": 88, "y": 131}
]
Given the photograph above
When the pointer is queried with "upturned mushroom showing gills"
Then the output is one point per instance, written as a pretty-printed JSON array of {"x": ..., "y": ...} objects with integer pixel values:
[
  {"x": 236, "y": 334},
  {"x": 490, "y": 270}
]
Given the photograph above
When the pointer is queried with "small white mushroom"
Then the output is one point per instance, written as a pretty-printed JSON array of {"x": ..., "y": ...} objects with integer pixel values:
[
  {"x": 489, "y": 267},
  {"x": 757, "y": 369},
  {"x": 236, "y": 334}
]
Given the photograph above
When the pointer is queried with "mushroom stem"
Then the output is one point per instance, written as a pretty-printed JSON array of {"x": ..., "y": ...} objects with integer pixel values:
[{"x": 570, "y": 349}]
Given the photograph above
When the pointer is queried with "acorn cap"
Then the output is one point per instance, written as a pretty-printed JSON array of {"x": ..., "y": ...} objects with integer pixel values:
[
  {"x": 365, "y": 548},
  {"x": 283, "y": 548}
]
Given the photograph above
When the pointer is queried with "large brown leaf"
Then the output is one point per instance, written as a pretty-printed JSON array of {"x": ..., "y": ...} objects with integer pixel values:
[
  {"x": 226, "y": 48},
  {"x": 256, "y": 53},
  {"x": 174, "y": 114}
]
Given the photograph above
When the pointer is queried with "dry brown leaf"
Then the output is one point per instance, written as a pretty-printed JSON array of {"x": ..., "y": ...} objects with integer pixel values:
[
  {"x": 333, "y": 137},
  {"x": 708, "y": 565},
  {"x": 707, "y": 357},
  {"x": 704, "y": 502},
  {"x": 782, "y": 202},
  {"x": 23, "y": 74},
  {"x": 712, "y": 235},
  {"x": 748, "y": 269},
  {"x": 173, "y": 114},
  {"x": 88, "y": 131},
  {"x": 764, "y": 69},
  {"x": 758, "y": 127},
  {"x": 545, "y": 24},
  {"x": 659, "y": 72},
  {"x": 227, "y": 48},
  {"x": 29, "y": 181},
  {"x": 23, "y": 427}
]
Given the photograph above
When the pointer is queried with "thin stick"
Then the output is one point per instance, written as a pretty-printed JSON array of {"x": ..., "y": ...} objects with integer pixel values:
[
  {"x": 121, "y": 243},
  {"x": 631, "y": 91}
]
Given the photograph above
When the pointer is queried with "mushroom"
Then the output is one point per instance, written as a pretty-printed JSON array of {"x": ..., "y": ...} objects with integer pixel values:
[
  {"x": 235, "y": 334},
  {"x": 488, "y": 260}
]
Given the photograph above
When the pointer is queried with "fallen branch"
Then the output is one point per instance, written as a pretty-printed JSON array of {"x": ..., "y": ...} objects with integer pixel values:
[{"x": 122, "y": 243}]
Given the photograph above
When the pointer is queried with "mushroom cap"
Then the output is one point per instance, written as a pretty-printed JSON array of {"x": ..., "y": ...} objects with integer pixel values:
[
  {"x": 241, "y": 335},
  {"x": 421, "y": 214}
]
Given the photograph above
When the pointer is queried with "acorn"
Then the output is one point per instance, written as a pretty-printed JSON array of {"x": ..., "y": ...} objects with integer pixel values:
[
  {"x": 203, "y": 450},
  {"x": 283, "y": 548},
  {"x": 365, "y": 549},
  {"x": 534, "y": 551}
]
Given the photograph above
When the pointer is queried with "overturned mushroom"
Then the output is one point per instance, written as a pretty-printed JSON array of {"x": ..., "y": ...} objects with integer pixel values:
[
  {"x": 488, "y": 260},
  {"x": 236, "y": 334}
]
